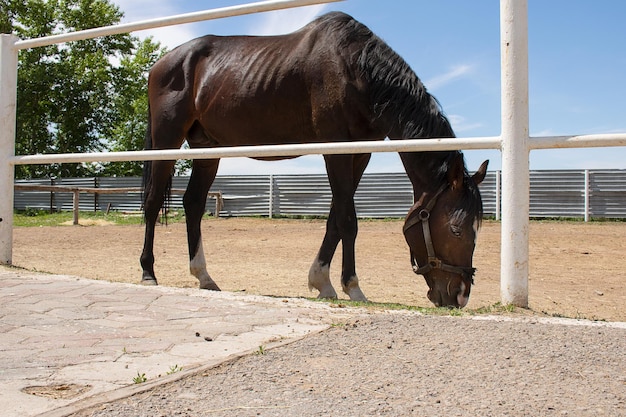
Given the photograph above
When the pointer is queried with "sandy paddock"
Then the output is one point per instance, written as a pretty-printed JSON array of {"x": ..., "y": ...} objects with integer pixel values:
[{"x": 577, "y": 269}]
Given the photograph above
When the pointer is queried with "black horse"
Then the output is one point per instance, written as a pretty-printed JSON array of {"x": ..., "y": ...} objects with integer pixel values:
[{"x": 331, "y": 81}]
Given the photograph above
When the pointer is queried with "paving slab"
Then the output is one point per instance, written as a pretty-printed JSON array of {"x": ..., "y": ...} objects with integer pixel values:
[{"x": 68, "y": 342}]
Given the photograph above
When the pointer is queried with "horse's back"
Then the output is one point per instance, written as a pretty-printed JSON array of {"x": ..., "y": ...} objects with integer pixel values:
[{"x": 277, "y": 89}]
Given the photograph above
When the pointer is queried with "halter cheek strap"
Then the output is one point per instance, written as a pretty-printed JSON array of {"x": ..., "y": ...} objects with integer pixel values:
[{"x": 433, "y": 261}]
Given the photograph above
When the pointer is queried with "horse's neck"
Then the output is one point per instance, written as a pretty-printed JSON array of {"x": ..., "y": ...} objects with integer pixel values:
[{"x": 423, "y": 170}]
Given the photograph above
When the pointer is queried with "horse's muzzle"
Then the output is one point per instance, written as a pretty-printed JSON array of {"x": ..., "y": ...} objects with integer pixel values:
[{"x": 447, "y": 298}]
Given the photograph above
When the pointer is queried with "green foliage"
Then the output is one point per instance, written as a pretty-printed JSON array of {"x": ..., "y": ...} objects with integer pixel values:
[
  {"x": 130, "y": 105},
  {"x": 174, "y": 369},
  {"x": 35, "y": 218},
  {"x": 497, "y": 308},
  {"x": 81, "y": 96},
  {"x": 140, "y": 378}
]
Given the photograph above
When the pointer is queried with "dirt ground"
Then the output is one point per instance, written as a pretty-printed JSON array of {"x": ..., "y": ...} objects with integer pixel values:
[
  {"x": 576, "y": 269},
  {"x": 406, "y": 364}
]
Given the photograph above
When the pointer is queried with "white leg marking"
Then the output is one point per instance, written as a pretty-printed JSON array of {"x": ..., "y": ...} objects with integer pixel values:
[
  {"x": 319, "y": 279},
  {"x": 197, "y": 267}
]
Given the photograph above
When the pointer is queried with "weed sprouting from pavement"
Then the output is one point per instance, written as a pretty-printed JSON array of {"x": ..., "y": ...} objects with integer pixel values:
[{"x": 140, "y": 378}]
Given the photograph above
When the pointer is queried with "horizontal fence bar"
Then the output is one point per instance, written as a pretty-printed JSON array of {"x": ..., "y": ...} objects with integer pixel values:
[
  {"x": 264, "y": 151},
  {"x": 92, "y": 190},
  {"x": 580, "y": 141},
  {"x": 239, "y": 10},
  {"x": 96, "y": 190}
]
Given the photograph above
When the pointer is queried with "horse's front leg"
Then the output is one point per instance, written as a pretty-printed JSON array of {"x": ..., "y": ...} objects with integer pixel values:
[
  {"x": 202, "y": 175},
  {"x": 319, "y": 274},
  {"x": 347, "y": 225},
  {"x": 344, "y": 173}
]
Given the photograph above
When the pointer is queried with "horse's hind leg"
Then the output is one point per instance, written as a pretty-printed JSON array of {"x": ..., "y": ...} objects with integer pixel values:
[
  {"x": 155, "y": 191},
  {"x": 202, "y": 176}
]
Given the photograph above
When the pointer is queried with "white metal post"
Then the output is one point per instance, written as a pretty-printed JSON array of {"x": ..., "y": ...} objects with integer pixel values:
[
  {"x": 515, "y": 152},
  {"x": 498, "y": 197},
  {"x": 586, "y": 195},
  {"x": 271, "y": 202},
  {"x": 8, "y": 104}
]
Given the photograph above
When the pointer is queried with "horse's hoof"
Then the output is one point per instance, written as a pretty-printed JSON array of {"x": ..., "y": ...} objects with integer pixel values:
[
  {"x": 326, "y": 293},
  {"x": 356, "y": 294},
  {"x": 327, "y": 296},
  {"x": 210, "y": 287},
  {"x": 149, "y": 282}
]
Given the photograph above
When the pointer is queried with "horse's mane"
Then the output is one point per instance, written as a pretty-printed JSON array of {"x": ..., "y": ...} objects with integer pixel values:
[
  {"x": 397, "y": 95},
  {"x": 399, "y": 99},
  {"x": 471, "y": 203}
]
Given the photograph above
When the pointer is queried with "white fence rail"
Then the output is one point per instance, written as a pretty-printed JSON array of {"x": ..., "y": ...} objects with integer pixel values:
[{"x": 514, "y": 141}]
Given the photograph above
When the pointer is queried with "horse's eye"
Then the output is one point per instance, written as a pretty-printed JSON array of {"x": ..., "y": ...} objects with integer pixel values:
[{"x": 456, "y": 230}]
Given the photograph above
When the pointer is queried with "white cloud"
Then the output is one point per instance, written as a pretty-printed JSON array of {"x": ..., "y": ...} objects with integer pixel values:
[
  {"x": 136, "y": 10},
  {"x": 308, "y": 164},
  {"x": 446, "y": 78},
  {"x": 269, "y": 23},
  {"x": 460, "y": 124},
  {"x": 170, "y": 36},
  {"x": 545, "y": 132},
  {"x": 139, "y": 10},
  {"x": 285, "y": 21}
]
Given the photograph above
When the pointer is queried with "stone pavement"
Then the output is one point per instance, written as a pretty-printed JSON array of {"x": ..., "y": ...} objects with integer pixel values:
[{"x": 68, "y": 342}]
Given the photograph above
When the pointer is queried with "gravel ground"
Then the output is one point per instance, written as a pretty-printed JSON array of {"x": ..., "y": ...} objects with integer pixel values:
[{"x": 403, "y": 363}]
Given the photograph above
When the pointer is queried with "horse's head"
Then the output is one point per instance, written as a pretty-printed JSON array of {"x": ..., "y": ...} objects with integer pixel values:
[{"x": 441, "y": 230}]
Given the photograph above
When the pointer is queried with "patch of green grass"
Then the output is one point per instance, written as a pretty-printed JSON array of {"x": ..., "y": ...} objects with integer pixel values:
[
  {"x": 140, "y": 378},
  {"x": 39, "y": 218},
  {"x": 174, "y": 369},
  {"x": 496, "y": 308},
  {"x": 388, "y": 306},
  {"x": 36, "y": 218}
]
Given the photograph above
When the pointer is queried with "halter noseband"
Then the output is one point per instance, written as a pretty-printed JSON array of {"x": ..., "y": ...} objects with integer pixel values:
[{"x": 433, "y": 262}]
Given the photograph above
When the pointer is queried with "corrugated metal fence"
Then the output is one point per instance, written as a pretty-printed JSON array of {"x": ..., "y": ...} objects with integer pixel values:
[{"x": 573, "y": 194}]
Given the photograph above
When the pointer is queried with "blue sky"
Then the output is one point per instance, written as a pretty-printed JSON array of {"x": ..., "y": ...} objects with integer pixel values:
[{"x": 577, "y": 67}]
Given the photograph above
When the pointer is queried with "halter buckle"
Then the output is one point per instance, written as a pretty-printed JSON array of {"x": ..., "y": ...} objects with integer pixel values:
[{"x": 435, "y": 263}]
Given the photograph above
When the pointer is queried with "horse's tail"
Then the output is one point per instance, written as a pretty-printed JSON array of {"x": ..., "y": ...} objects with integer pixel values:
[{"x": 147, "y": 172}]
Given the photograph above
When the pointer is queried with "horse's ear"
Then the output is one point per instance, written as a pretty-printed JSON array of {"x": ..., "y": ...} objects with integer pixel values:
[
  {"x": 456, "y": 170},
  {"x": 479, "y": 175}
]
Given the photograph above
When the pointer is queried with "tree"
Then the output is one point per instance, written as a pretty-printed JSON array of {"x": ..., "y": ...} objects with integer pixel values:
[
  {"x": 69, "y": 94},
  {"x": 130, "y": 107}
]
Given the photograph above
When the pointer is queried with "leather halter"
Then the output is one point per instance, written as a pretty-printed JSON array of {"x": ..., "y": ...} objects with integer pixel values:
[{"x": 467, "y": 273}]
